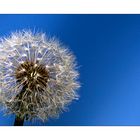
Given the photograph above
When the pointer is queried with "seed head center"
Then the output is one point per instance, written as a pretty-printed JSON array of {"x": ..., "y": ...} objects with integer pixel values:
[{"x": 32, "y": 74}]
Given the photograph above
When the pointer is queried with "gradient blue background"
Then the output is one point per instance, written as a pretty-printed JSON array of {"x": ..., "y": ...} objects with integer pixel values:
[{"x": 108, "y": 53}]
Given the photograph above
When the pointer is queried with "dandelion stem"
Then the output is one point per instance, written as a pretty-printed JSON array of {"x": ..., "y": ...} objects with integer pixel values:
[{"x": 18, "y": 119}]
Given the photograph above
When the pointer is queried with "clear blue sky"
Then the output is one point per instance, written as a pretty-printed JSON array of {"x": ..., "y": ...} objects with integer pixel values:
[{"x": 108, "y": 53}]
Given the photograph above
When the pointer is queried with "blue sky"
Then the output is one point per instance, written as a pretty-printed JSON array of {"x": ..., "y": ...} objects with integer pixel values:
[{"x": 107, "y": 48}]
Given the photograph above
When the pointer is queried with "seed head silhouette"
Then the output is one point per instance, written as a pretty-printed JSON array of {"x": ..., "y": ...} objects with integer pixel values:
[{"x": 38, "y": 76}]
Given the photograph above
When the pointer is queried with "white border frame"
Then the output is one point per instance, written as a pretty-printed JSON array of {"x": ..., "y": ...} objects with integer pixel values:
[
  {"x": 70, "y": 133},
  {"x": 70, "y": 6}
]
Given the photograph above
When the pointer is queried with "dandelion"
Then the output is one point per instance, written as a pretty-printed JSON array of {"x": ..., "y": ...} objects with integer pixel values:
[{"x": 38, "y": 76}]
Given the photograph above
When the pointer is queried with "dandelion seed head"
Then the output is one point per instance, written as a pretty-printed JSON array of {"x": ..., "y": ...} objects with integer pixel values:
[{"x": 38, "y": 76}]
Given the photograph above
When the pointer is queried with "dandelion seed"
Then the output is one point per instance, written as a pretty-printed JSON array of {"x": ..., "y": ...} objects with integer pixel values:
[{"x": 40, "y": 73}]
